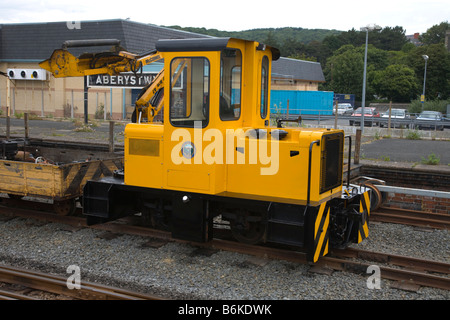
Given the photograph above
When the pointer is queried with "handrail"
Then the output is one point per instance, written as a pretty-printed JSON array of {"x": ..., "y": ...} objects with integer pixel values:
[
  {"x": 309, "y": 170},
  {"x": 349, "y": 159}
]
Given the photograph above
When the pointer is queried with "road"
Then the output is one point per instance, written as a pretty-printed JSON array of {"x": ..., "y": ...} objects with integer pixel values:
[{"x": 403, "y": 150}]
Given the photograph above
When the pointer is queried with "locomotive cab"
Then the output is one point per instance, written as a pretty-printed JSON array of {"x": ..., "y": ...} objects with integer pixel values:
[{"x": 216, "y": 136}]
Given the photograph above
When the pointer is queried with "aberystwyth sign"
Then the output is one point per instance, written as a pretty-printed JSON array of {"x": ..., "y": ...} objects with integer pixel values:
[{"x": 125, "y": 80}]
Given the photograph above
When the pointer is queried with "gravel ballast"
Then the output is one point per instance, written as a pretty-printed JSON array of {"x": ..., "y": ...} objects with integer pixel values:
[{"x": 181, "y": 271}]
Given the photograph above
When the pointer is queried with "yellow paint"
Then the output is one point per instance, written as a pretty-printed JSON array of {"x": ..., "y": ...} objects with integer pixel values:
[{"x": 322, "y": 232}]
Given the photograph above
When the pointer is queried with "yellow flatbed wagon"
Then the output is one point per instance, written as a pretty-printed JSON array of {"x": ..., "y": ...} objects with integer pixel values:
[{"x": 54, "y": 173}]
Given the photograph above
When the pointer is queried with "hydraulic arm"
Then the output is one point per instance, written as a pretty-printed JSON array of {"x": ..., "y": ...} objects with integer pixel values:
[{"x": 62, "y": 63}]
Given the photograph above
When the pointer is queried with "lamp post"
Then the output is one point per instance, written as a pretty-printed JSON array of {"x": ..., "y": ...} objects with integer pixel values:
[
  {"x": 363, "y": 104},
  {"x": 422, "y": 99}
]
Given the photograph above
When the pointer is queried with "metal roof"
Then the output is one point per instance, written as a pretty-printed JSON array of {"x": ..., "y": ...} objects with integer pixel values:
[
  {"x": 36, "y": 41},
  {"x": 294, "y": 69}
]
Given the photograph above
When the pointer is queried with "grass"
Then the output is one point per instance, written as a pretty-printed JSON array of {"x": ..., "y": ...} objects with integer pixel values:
[
  {"x": 432, "y": 159},
  {"x": 413, "y": 135}
]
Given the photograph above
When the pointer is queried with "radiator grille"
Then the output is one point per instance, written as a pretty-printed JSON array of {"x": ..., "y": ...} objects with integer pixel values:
[{"x": 332, "y": 161}]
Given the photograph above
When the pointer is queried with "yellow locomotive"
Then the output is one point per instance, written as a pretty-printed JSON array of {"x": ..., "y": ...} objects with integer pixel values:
[{"x": 216, "y": 155}]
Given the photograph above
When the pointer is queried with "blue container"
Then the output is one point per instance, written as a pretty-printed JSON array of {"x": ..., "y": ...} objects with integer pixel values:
[
  {"x": 345, "y": 98},
  {"x": 286, "y": 102}
]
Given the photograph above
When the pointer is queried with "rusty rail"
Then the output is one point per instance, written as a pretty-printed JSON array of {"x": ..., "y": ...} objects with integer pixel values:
[
  {"x": 58, "y": 285},
  {"x": 411, "y": 217}
]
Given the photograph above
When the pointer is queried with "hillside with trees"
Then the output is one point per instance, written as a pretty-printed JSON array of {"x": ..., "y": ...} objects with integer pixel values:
[
  {"x": 277, "y": 36},
  {"x": 395, "y": 66}
]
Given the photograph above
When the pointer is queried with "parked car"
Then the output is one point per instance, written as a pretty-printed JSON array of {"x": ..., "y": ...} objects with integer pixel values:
[
  {"x": 343, "y": 109},
  {"x": 397, "y": 118},
  {"x": 371, "y": 117},
  {"x": 431, "y": 120}
]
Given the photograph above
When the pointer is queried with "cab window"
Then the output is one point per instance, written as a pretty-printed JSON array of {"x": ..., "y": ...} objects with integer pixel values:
[
  {"x": 264, "y": 87},
  {"x": 189, "y": 92},
  {"x": 230, "y": 84}
]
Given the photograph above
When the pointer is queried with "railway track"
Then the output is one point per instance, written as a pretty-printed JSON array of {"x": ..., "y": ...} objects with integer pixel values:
[
  {"x": 411, "y": 217},
  {"x": 393, "y": 267},
  {"x": 413, "y": 270},
  {"x": 403, "y": 269},
  {"x": 58, "y": 285}
]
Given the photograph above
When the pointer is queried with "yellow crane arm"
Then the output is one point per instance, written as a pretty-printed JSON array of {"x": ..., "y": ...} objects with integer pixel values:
[
  {"x": 150, "y": 101},
  {"x": 62, "y": 63}
]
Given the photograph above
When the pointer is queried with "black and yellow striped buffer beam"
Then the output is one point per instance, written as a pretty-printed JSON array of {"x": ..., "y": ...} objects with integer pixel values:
[
  {"x": 364, "y": 209},
  {"x": 321, "y": 232}
]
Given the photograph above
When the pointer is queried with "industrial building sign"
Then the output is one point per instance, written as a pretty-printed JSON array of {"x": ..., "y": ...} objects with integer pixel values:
[{"x": 126, "y": 80}]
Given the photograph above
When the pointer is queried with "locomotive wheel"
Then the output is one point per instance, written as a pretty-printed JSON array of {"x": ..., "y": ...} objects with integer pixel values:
[
  {"x": 160, "y": 222},
  {"x": 247, "y": 228},
  {"x": 155, "y": 219},
  {"x": 64, "y": 207}
]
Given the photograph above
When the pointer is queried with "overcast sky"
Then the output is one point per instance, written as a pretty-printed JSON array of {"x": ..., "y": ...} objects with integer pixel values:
[{"x": 235, "y": 15}]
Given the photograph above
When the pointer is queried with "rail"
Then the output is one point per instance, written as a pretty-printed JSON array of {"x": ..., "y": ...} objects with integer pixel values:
[
  {"x": 391, "y": 267},
  {"x": 58, "y": 285},
  {"x": 412, "y": 218}
]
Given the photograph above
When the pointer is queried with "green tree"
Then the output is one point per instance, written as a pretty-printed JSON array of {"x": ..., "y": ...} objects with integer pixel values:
[
  {"x": 435, "y": 34},
  {"x": 396, "y": 83},
  {"x": 390, "y": 39},
  {"x": 292, "y": 47},
  {"x": 344, "y": 71},
  {"x": 314, "y": 49},
  {"x": 271, "y": 40},
  {"x": 438, "y": 70}
]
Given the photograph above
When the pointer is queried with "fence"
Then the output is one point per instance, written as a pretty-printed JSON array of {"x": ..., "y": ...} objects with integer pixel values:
[{"x": 64, "y": 98}]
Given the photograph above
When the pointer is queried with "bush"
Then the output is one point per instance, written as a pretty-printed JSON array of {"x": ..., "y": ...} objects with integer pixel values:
[
  {"x": 431, "y": 160},
  {"x": 432, "y": 105},
  {"x": 18, "y": 115},
  {"x": 100, "y": 112},
  {"x": 413, "y": 135}
]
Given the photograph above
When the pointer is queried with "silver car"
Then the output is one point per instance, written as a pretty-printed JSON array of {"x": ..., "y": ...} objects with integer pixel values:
[
  {"x": 343, "y": 109},
  {"x": 397, "y": 118},
  {"x": 431, "y": 120}
]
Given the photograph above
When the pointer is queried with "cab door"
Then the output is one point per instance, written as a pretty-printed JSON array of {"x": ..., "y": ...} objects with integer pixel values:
[{"x": 188, "y": 118}]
